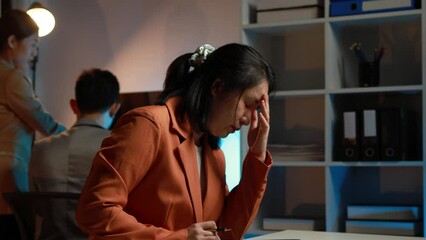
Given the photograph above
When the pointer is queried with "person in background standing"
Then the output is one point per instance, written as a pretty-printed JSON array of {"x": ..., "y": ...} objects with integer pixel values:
[{"x": 21, "y": 114}]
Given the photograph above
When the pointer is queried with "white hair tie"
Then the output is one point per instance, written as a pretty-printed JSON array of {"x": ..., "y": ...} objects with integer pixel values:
[{"x": 200, "y": 55}]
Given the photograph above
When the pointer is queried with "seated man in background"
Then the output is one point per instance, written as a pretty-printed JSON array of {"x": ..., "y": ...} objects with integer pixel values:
[{"x": 61, "y": 163}]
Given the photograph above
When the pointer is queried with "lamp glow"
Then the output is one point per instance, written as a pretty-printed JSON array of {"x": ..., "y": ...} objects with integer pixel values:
[{"x": 44, "y": 19}]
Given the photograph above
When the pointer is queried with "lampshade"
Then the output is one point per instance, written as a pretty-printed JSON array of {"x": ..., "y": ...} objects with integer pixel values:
[{"x": 44, "y": 19}]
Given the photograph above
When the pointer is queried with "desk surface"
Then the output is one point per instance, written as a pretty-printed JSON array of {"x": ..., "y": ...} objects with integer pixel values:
[{"x": 313, "y": 235}]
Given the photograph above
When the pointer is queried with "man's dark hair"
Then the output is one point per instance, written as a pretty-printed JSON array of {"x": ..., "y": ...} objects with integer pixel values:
[{"x": 96, "y": 90}]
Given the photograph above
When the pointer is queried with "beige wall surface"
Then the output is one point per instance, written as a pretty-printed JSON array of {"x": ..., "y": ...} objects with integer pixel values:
[{"x": 135, "y": 39}]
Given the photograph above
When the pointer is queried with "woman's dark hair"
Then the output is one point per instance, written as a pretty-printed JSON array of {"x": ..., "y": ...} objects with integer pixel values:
[
  {"x": 175, "y": 78},
  {"x": 18, "y": 23},
  {"x": 238, "y": 66}
]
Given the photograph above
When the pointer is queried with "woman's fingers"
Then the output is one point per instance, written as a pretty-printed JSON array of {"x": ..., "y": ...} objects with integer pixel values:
[
  {"x": 264, "y": 104},
  {"x": 202, "y": 230},
  {"x": 259, "y": 128},
  {"x": 254, "y": 120}
]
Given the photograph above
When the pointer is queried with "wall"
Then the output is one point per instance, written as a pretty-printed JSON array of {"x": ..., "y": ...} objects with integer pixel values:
[{"x": 135, "y": 39}]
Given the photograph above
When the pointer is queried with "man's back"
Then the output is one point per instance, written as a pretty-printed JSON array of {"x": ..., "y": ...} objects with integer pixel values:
[{"x": 61, "y": 164}]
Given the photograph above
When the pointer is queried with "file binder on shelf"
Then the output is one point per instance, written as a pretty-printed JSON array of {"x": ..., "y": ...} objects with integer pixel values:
[
  {"x": 384, "y": 134},
  {"x": 390, "y": 134},
  {"x": 410, "y": 135},
  {"x": 352, "y": 7},
  {"x": 350, "y": 142},
  {"x": 369, "y": 136}
]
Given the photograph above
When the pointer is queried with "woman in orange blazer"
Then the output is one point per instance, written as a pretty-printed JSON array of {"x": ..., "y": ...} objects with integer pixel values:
[{"x": 161, "y": 173}]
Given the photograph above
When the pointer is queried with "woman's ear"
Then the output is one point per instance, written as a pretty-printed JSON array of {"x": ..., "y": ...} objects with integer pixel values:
[
  {"x": 217, "y": 87},
  {"x": 12, "y": 41}
]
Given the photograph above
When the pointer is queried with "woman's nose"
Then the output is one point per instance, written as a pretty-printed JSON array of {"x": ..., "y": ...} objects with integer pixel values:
[{"x": 244, "y": 120}]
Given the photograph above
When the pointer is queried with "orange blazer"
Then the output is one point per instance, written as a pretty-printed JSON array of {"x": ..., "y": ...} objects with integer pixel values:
[{"x": 144, "y": 182}]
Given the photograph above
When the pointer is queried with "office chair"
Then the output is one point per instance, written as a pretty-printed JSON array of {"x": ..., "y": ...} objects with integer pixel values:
[{"x": 29, "y": 207}]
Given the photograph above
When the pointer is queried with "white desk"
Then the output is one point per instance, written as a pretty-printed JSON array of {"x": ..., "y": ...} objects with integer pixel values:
[{"x": 312, "y": 235}]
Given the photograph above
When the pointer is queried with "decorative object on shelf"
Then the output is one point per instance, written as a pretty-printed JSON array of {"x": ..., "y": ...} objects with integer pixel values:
[
  {"x": 352, "y": 7},
  {"x": 369, "y": 74},
  {"x": 368, "y": 71}
]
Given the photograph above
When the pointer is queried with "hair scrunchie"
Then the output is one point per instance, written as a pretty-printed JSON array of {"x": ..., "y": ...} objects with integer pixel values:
[{"x": 200, "y": 55}]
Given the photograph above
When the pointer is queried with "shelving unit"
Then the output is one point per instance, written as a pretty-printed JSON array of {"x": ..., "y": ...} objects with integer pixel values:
[{"x": 317, "y": 76}]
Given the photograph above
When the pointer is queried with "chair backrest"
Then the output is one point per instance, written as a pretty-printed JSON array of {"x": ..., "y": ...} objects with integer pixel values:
[{"x": 28, "y": 205}]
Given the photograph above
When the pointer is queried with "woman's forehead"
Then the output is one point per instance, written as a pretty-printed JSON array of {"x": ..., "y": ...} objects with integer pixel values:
[{"x": 257, "y": 91}]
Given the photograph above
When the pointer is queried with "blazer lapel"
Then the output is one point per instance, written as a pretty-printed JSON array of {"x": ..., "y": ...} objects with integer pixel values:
[
  {"x": 187, "y": 156},
  {"x": 188, "y": 159},
  {"x": 215, "y": 182}
]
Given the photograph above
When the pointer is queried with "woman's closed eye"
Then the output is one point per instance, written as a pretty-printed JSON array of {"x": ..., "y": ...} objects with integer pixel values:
[{"x": 253, "y": 106}]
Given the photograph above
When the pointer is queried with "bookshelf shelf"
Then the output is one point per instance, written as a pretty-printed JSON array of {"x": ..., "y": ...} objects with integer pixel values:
[
  {"x": 379, "y": 17},
  {"x": 317, "y": 76},
  {"x": 407, "y": 89},
  {"x": 377, "y": 164},
  {"x": 280, "y": 94},
  {"x": 283, "y": 26},
  {"x": 299, "y": 164}
]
